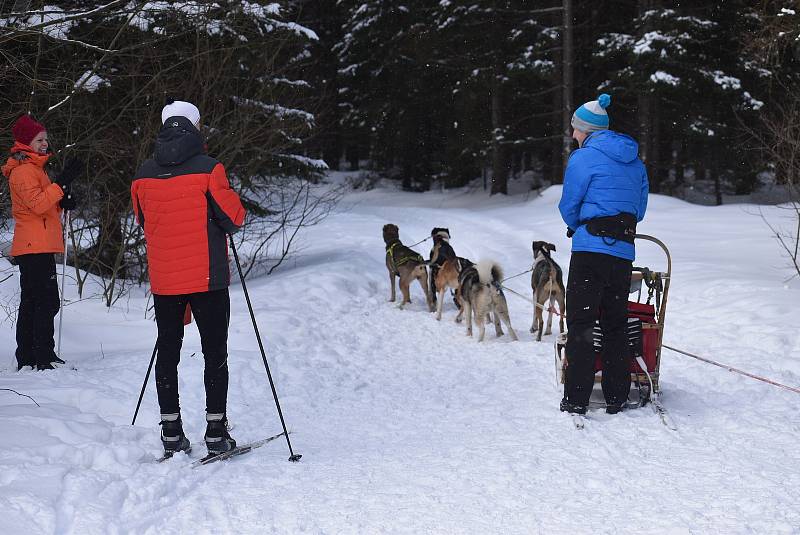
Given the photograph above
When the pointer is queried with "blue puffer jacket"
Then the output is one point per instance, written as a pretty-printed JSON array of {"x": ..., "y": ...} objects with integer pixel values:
[{"x": 603, "y": 178}]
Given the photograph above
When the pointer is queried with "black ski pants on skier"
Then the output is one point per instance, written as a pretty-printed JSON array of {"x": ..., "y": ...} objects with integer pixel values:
[
  {"x": 211, "y": 311},
  {"x": 38, "y": 305},
  {"x": 597, "y": 289}
]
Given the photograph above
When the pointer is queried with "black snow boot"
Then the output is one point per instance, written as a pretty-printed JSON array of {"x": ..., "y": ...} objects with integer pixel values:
[
  {"x": 218, "y": 440},
  {"x": 573, "y": 408},
  {"x": 614, "y": 408},
  {"x": 172, "y": 436},
  {"x": 23, "y": 361}
]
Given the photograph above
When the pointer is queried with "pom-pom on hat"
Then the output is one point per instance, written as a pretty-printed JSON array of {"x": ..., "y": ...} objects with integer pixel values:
[
  {"x": 179, "y": 108},
  {"x": 25, "y": 129},
  {"x": 592, "y": 116}
]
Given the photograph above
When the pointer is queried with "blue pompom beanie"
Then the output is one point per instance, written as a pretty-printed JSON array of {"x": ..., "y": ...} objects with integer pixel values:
[{"x": 592, "y": 116}]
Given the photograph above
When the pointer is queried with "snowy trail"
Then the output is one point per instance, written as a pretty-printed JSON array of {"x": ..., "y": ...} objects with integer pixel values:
[{"x": 405, "y": 424}]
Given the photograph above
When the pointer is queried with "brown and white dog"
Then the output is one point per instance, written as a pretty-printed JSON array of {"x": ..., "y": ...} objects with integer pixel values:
[
  {"x": 548, "y": 285},
  {"x": 447, "y": 276},
  {"x": 440, "y": 252},
  {"x": 406, "y": 264},
  {"x": 481, "y": 294}
]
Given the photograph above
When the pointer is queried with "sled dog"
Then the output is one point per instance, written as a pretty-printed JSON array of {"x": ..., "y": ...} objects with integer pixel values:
[
  {"x": 441, "y": 250},
  {"x": 481, "y": 294},
  {"x": 405, "y": 264},
  {"x": 447, "y": 276},
  {"x": 547, "y": 285}
]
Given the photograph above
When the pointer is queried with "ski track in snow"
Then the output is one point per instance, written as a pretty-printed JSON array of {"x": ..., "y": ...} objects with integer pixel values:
[{"x": 404, "y": 423}]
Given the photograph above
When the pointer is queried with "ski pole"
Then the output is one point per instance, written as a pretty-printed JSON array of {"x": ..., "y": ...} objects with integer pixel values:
[
  {"x": 293, "y": 457},
  {"x": 144, "y": 384},
  {"x": 63, "y": 273}
]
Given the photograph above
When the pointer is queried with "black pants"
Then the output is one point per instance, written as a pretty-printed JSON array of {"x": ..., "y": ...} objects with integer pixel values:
[
  {"x": 38, "y": 305},
  {"x": 597, "y": 282},
  {"x": 211, "y": 311}
]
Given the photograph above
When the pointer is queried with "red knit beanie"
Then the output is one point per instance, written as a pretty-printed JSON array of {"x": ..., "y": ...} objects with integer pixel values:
[{"x": 25, "y": 129}]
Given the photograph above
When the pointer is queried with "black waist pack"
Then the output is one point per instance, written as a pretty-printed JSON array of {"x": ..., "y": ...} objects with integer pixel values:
[{"x": 617, "y": 227}]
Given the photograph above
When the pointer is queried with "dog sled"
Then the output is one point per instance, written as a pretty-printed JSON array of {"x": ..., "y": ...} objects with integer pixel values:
[{"x": 645, "y": 335}]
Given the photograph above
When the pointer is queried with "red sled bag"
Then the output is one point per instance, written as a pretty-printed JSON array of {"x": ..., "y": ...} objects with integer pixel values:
[{"x": 642, "y": 337}]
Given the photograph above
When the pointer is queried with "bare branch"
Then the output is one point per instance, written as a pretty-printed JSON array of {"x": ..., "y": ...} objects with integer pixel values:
[
  {"x": 23, "y": 395},
  {"x": 97, "y": 63}
]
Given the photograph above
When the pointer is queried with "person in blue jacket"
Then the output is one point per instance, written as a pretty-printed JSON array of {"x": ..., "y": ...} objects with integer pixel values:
[{"x": 604, "y": 196}]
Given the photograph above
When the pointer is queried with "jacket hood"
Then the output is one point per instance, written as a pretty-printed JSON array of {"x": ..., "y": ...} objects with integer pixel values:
[
  {"x": 178, "y": 140},
  {"x": 618, "y": 147},
  {"x": 21, "y": 154}
]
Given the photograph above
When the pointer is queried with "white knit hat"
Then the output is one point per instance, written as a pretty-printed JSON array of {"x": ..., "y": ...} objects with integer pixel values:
[{"x": 179, "y": 108}]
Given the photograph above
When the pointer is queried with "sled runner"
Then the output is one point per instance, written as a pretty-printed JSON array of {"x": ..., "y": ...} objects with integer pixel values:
[{"x": 645, "y": 334}]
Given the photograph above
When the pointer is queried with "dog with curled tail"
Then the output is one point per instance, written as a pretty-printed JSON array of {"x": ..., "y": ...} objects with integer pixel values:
[{"x": 482, "y": 296}]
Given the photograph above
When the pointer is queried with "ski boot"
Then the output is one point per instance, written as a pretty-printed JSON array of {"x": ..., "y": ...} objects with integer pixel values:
[
  {"x": 172, "y": 436},
  {"x": 218, "y": 440},
  {"x": 572, "y": 408}
]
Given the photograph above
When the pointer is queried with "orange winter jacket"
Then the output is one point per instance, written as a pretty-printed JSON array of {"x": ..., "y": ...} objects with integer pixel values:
[
  {"x": 34, "y": 203},
  {"x": 183, "y": 200}
]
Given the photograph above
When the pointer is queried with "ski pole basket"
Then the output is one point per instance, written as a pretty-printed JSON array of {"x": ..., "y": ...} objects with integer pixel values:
[{"x": 645, "y": 329}]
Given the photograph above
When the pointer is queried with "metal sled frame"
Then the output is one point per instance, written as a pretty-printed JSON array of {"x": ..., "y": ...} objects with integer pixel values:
[{"x": 657, "y": 283}]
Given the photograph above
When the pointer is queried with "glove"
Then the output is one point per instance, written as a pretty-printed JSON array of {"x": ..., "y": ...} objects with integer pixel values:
[
  {"x": 69, "y": 173},
  {"x": 570, "y": 232},
  {"x": 67, "y": 202}
]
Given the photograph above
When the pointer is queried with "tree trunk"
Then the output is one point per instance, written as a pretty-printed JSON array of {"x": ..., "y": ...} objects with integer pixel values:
[
  {"x": 654, "y": 148},
  {"x": 499, "y": 157},
  {"x": 646, "y": 119},
  {"x": 553, "y": 168},
  {"x": 567, "y": 79},
  {"x": 700, "y": 170},
  {"x": 351, "y": 154},
  {"x": 679, "y": 166},
  {"x": 717, "y": 179}
]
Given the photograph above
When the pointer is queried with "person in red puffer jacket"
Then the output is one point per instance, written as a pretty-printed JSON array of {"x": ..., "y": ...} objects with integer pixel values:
[
  {"x": 36, "y": 205},
  {"x": 182, "y": 199}
]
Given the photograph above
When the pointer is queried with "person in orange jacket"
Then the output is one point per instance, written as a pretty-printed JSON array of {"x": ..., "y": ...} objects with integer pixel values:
[
  {"x": 183, "y": 200},
  {"x": 36, "y": 206}
]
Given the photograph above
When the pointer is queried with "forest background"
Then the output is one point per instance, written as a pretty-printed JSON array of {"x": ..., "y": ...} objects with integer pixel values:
[{"x": 431, "y": 94}]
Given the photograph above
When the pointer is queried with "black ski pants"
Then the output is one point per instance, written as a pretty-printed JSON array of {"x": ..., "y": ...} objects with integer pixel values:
[
  {"x": 211, "y": 311},
  {"x": 38, "y": 305},
  {"x": 597, "y": 289}
]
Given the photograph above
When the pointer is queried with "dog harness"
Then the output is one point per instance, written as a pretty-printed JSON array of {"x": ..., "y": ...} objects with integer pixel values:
[{"x": 409, "y": 255}]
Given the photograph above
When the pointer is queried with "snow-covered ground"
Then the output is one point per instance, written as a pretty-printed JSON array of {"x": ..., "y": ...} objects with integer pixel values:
[{"x": 405, "y": 424}]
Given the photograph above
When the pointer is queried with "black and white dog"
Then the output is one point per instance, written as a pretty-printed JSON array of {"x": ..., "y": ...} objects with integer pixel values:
[
  {"x": 548, "y": 285},
  {"x": 440, "y": 252}
]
